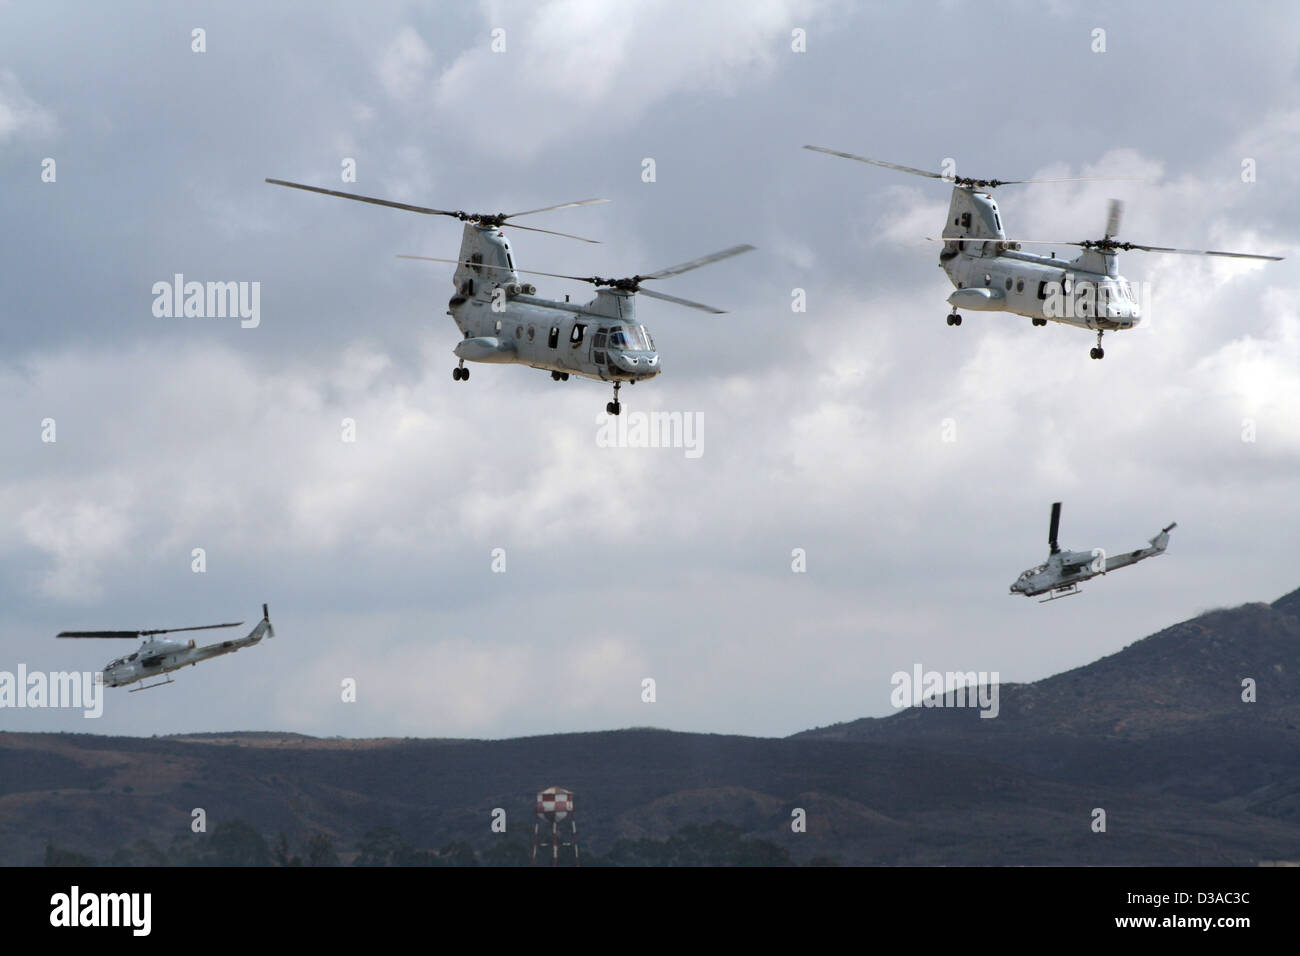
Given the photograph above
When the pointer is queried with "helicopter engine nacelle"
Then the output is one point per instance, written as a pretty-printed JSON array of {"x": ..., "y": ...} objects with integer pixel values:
[
  {"x": 520, "y": 288},
  {"x": 485, "y": 348}
]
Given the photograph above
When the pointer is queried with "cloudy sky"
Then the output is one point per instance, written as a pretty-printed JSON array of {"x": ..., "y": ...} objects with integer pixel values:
[{"x": 823, "y": 430}]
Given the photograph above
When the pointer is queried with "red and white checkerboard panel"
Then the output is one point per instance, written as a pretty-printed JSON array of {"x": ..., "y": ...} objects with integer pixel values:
[{"x": 554, "y": 803}]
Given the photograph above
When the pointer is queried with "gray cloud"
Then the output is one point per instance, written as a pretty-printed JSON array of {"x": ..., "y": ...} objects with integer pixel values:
[{"x": 822, "y": 429}]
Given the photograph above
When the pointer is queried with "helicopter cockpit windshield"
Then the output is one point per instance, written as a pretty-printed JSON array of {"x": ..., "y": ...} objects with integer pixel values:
[
  {"x": 1026, "y": 575},
  {"x": 632, "y": 338}
]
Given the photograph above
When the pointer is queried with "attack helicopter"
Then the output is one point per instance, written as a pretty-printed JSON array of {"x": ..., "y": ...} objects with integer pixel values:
[
  {"x": 159, "y": 657},
  {"x": 991, "y": 274},
  {"x": 503, "y": 322},
  {"x": 1064, "y": 570}
]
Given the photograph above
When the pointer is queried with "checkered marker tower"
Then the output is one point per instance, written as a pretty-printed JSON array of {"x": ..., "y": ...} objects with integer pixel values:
[{"x": 554, "y": 806}]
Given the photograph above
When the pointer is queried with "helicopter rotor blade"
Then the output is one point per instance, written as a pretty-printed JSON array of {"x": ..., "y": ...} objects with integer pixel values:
[
  {"x": 1194, "y": 252},
  {"x": 631, "y": 284},
  {"x": 491, "y": 219},
  {"x": 484, "y": 265},
  {"x": 1041, "y": 242},
  {"x": 876, "y": 162},
  {"x": 1111, "y": 246},
  {"x": 552, "y": 232},
  {"x": 1071, "y": 179},
  {"x": 134, "y": 634},
  {"x": 968, "y": 181},
  {"x": 201, "y": 627},
  {"x": 370, "y": 199},
  {"x": 107, "y": 634},
  {"x": 1113, "y": 217},
  {"x": 1055, "y": 527},
  {"x": 686, "y": 302},
  {"x": 697, "y": 263},
  {"x": 563, "y": 205}
]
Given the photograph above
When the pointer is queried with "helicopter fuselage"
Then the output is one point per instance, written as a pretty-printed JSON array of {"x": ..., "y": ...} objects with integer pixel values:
[
  {"x": 1065, "y": 569},
  {"x": 162, "y": 655},
  {"x": 991, "y": 274},
  {"x": 502, "y": 321}
]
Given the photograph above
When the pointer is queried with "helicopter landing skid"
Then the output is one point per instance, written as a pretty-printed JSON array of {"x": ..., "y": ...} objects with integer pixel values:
[
  {"x": 1068, "y": 591},
  {"x": 151, "y": 686}
]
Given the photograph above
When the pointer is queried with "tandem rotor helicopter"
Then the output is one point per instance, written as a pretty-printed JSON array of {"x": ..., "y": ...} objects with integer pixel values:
[
  {"x": 503, "y": 321},
  {"x": 157, "y": 658},
  {"x": 992, "y": 274},
  {"x": 1064, "y": 570}
]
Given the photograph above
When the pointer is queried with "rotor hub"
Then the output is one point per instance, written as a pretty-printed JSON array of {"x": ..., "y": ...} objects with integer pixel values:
[{"x": 632, "y": 284}]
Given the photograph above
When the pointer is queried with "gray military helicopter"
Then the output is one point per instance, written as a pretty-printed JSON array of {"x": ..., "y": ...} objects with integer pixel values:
[
  {"x": 503, "y": 322},
  {"x": 158, "y": 657},
  {"x": 992, "y": 274},
  {"x": 1064, "y": 570}
]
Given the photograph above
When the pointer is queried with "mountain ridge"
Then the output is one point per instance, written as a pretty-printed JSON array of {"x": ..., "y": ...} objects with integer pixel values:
[{"x": 1157, "y": 734}]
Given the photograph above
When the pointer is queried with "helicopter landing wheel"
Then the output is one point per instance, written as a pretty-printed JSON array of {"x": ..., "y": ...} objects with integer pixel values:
[
  {"x": 1039, "y": 321},
  {"x": 555, "y": 376},
  {"x": 460, "y": 373},
  {"x": 615, "y": 406},
  {"x": 564, "y": 376},
  {"x": 1098, "y": 352},
  {"x": 954, "y": 319}
]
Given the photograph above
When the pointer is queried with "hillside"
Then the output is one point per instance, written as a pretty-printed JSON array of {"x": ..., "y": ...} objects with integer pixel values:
[{"x": 1157, "y": 734}]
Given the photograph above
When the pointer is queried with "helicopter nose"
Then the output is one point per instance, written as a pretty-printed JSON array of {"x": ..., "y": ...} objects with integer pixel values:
[{"x": 642, "y": 364}]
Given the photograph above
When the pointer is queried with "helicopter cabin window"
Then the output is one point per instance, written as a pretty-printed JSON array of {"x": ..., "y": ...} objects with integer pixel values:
[
  {"x": 1020, "y": 285},
  {"x": 599, "y": 341},
  {"x": 988, "y": 279},
  {"x": 1042, "y": 289},
  {"x": 650, "y": 343},
  {"x": 575, "y": 337},
  {"x": 498, "y": 326},
  {"x": 531, "y": 332},
  {"x": 1008, "y": 283},
  {"x": 519, "y": 331},
  {"x": 553, "y": 339}
]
